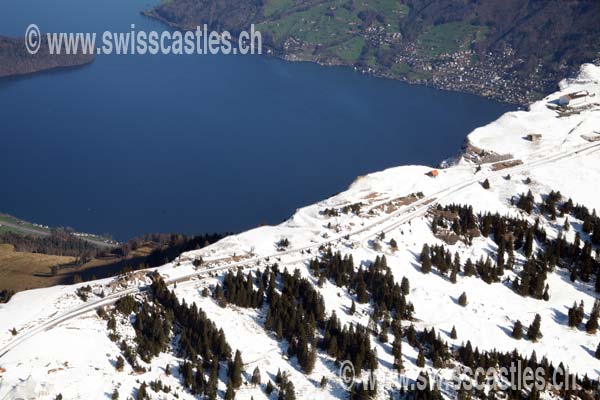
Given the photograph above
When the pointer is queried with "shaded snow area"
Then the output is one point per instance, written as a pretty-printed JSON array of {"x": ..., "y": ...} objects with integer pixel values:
[{"x": 61, "y": 345}]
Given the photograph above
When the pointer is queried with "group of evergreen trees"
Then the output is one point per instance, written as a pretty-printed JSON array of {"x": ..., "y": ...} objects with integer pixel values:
[
  {"x": 350, "y": 208},
  {"x": 240, "y": 291},
  {"x": 533, "y": 333},
  {"x": 374, "y": 283},
  {"x": 430, "y": 346},
  {"x": 153, "y": 330},
  {"x": 295, "y": 310},
  {"x": 576, "y": 316},
  {"x": 199, "y": 335},
  {"x": 514, "y": 234},
  {"x": 526, "y": 202},
  {"x": 461, "y": 220},
  {"x": 202, "y": 345},
  {"x": 559, "y": 252},
  {"x": 286, "y": 387},
  {"x": 442, "y": 259},
  {"x": 583, "y": 388},
  {"x": 349, "y": 342},
  {"x": 532, "y": 280},
  {"x": 296, "y": 313}
]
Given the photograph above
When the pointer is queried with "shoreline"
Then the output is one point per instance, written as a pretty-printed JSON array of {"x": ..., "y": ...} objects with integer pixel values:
[
  {"x": 17, "y": 62},
  {"x": 55, "y": 69},
  {"x": 293, "y": 57}
]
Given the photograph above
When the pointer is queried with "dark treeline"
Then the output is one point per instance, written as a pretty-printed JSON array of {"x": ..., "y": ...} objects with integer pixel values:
[
  {"x": 116, "y": 261},
  {"x": 167, "y": 249},
  {"x": 169, "y": 246},
  {"x": 60, "y": 242}
]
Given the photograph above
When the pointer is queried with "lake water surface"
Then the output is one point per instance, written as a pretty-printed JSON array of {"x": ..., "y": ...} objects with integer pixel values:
[{"x": 139, "y": 144}]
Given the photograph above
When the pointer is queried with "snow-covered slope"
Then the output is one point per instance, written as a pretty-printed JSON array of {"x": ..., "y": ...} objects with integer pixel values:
[{"x": 62, "y": 346}]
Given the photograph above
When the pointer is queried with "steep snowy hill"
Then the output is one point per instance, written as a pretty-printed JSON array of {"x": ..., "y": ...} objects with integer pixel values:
[{"x": 68, "y": 340}]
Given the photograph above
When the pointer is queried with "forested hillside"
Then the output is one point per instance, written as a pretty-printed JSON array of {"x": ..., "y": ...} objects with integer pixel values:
[{"x": 511, "y": 50}]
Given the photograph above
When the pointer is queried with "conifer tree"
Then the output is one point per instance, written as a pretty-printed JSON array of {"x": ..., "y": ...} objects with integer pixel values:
[
  {"x": 534, "y": 333},
  {"x": 236, "y": 370},
  {"x": 469, "y": 268},
  {"x": 269, "y": 388},
  {"x": 598, "y": 352},
  {"x": 256, "y": 376},
  {"x": 405, "y": 286},
  {"x": 142, "y": 393},
  {"x": 397, "y": 353},
  {"x": 462, "y": 300},
  {"x": 528, "y": 248},
  {"x": 323, "y": 382},
  {"x": 453, "y": 334},
  {"x": 546, "y": 295},
  {"x": 229, "y": 392},
  {"x": 591, "y": 325},
  {"x": 120, "y": 364},
  {"x": 572, "y": 316},
  {"x": 453, "y": 275},
  {"x": 425, "y": 260},
  {"x": 421, "y": 359},
  {"x": 517, "y": 332},
  {"x": 213, "y": 381},
  {"x": 456, "y": 226}
]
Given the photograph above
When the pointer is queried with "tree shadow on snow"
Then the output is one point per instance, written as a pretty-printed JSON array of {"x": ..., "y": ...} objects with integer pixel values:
[
  {"x": 591, "y": 352},
  {"x": 506, "y": 330},
  {"x": 560, "y": 317}
]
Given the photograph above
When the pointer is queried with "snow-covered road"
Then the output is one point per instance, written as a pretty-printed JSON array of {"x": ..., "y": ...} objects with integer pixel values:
[{"x": 384, "y": 224}]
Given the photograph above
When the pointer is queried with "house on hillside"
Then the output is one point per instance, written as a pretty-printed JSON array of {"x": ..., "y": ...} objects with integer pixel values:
[
  {"x": 573, "y": 99},
  {"x": 534, "y": 137}
]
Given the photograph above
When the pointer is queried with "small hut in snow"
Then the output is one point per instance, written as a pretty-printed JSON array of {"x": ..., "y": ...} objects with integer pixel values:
[
  {"x": 534, "y": 137},
  {"x": 573, "y": 99}
]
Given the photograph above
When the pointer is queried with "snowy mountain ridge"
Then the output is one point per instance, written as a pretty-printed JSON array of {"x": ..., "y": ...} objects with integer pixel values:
[{"x": 62, "y": 346}]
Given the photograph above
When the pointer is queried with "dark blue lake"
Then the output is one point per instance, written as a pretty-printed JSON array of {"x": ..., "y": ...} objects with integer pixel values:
[{"x": 138, "y": 144}]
